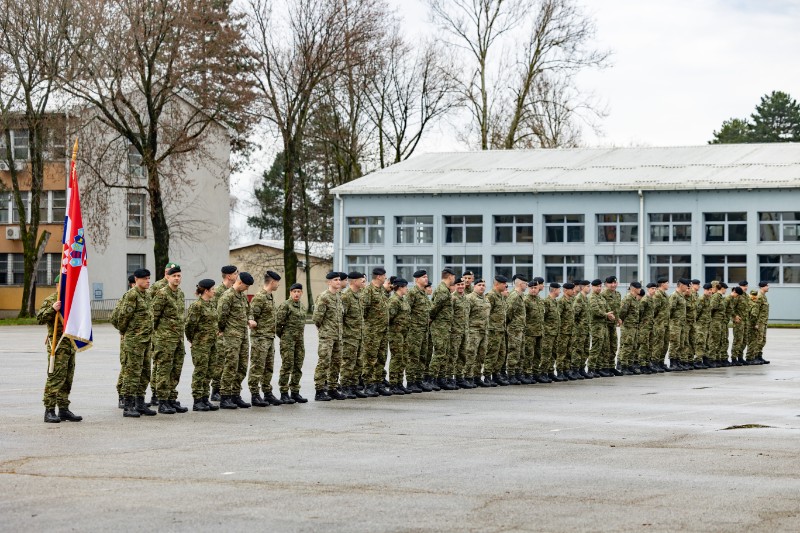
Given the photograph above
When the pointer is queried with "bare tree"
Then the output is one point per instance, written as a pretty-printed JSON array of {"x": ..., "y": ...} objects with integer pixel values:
[
  {"x": 158, "y": 75},
  {"x": 32, "y": 52}
]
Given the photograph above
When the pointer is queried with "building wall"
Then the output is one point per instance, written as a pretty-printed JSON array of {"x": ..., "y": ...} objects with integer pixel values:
[{"x": 697, "y": 203}]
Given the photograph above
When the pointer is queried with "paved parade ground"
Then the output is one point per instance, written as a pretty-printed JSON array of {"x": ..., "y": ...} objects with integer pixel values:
[{"x": 640, "y": 453}]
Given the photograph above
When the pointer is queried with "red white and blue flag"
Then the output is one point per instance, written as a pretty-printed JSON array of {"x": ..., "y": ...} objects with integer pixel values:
[{"x": 75, "y": 303}]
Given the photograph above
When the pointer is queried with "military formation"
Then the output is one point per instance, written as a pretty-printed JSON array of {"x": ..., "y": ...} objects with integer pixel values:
[{"x": 386, "y": 336}]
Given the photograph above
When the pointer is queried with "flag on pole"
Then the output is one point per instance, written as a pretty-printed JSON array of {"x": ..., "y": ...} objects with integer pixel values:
[{"x": 75, "y": 303}]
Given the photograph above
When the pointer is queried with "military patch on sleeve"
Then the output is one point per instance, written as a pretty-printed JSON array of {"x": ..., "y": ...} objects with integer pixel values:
[
  {"x": 256, "y": 310},
  {"x": 129, "y": 309}
]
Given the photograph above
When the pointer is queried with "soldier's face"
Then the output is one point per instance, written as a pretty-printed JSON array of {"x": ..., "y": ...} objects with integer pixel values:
[
  {"x": 401, "y": 291},
  {"x": 460, "y": 288},
  {"x": 651, "y": 291},
  {"x": 480, "y": 288},
  {"x": 708, "y": 292},
  {"x": 380, "y": 279},
  {"x": 296, "y": 294},
  {"x": 143, "y": 283},
  {"x": 555, "y": 292},
  {"x": 468, "y": 279},
  {"x": 596, "y": 289},
  {"x": 174, "y": 280},
  {"x": 765, "y": 288}
]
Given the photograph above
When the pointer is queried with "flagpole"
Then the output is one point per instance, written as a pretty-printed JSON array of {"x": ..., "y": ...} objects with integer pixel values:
[{"x": 58, "y": 287}]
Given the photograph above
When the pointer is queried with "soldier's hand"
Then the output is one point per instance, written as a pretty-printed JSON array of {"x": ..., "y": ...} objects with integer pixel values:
[
  {"x": 737, "y": 319},
  {"x": 252, "y": 324},
  {"x": 57, "y": 305},
  {"x": 219, "y": 334}
]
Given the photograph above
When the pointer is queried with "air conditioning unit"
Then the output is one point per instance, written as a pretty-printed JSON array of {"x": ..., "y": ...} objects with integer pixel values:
[
  {"x": 12, "y": 233},
  {"x": 19, "y": 165}
]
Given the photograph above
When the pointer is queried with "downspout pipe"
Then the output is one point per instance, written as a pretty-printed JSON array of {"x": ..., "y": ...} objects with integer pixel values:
[
  {"x": 340, "y": 254},
  {"x": 642, "y": 236}
]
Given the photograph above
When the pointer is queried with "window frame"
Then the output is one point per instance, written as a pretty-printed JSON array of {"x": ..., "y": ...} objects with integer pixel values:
[
  {"x": 617, "y": 225},
  {"x": 726, "y": 265},
  {"x": 420, "y": 229},
  {"x": 464, "y": 228},
  {"x": 364, "y": 266},
  {"x": 565, "y": 226},
  {"x": 726, "y": 225},
  {"x": 516, "y": 226},
  {"x": 780, "y": 266},
  {"x": 517, "y": 265},
  {"x": 369, "y": 228},
  {"x": 128, "y": 258},
  {"x": 782, "y": 224},
  {"x": 670, "y": 265},
  {"x": 142, "y": 216},
  {"x": 565, "y": 266},
  {"x": 671, "y": 225},
  {"x": 460, "y": 266},
  {"x": 405, "y": 270},
  {"x": 618, "y": 265}
]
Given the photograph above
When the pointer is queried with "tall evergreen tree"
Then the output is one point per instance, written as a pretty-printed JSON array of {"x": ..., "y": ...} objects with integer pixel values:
[{"x": 776, "y": 119}]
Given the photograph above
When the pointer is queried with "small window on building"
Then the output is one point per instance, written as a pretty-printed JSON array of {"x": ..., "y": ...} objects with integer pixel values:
[
  {"x": 461, "y": 263},
  {"x": 58, "y": 203},
  {"x": 17, "y": 274},
  {"x": 624, "y": 267},
  {"x": 20, "y": 145},
  {"x": 670, "y": 227},
  {"x": 782, "y": 269},
  {"x": 564, "y": 228},
  {"x": 408, "y": 264},
  {"x": 135, "y": 164},
  {"x": 365, "y": 230},
  {"x": 513, "y": 228},
  {"x": 47, "y": 269},
  {"x": 508, "y": 265},
  {"x": 136, "y": 203},
  {"x": 561, "y": 268},
  {"x": 414, "y": 229},
  {"x": 364, "y": 263},
  {"x": 26, "y": 202},
  {"x": 5, "y": 207},
  {"x": 135, "y": 262},
  {"x": 725, "y": 227},
  {"x": 463, "y": 229},
  {"x": 780, "y": 226},
  {"x": 622, "y": 227},
  {"x": 728, "y": 268},
  {"x": 672, "y": 267},
  {"x": 4, "y": 270}
]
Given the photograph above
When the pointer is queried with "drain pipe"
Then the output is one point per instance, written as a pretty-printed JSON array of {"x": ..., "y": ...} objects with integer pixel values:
[
  {"x": 340, "y": 261},
  {"x": 642, "y": 235}
]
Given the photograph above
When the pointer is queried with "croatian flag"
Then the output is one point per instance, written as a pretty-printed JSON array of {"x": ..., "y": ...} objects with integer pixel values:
[{"x": 75, "y": 305}]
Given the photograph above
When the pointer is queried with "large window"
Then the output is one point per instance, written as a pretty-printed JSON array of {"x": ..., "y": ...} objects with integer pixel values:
[
  {"x": 135, "y": 262},
  {"x": 364, "y": 263},
  {"x": 461, "y": 229},
  {"x": 48, "y": 269},
  {"x": 136, "y": 215},
  {"x": 564, "y": 228},
  {"x": 365, "y": 230},
  {"x": 670, "y": 227},
  {"x": 52, "y": 206},
  {"x": 414, "y": 230},
  {"x": 17, "y": 272},
  {"x": 513, "y": 228},
  {"x": 672, "y": 267},
  {"x": 779, "y": 268},
  {"x": 508, "y": 265},
  {"x": 460, "y": 263},
  {"x": 5, "y": 207},
  {"x": 561, "y": 268},
  {"x": 26, "y": 202},
  {"x": 618, "y": 227},
  {"x": 408, "y": 264},
  {"x": 624, "y": 267},
  {"x": 729, "y": 268},
  {"x": 779, "y": 226},
  {"x": 135, "y": 166},
  {"x": 4, "y": 272},
  {"x": 19, "y": 145},
  {"x": 725, "y": 227}
]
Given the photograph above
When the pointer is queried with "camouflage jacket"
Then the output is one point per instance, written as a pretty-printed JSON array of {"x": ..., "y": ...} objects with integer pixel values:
[
  {"x": 136, "y": 317},
  {"x": 702, "y": 311},
  {"x": 442, "y": 305},
  {"x": 157, "y": 286},
  {"x": 580, "y": 307},
  {"x": 262, "y": 309},
  {"x": 497, "y": 316},
  {"x": 460, "y": 313},
  {"x": 375, "y": 306},
  {"x": 352, "y": 316},
  {"x": 47, "y": 315},
  {"x": 613, "y": 300},
  {"x": 629, "y": 311},
  {"x": 566, "y": 315},
  {"x": 169, "y": 308},
  {"x": 290, "y": 319},
  {"x": 399, "y": 311},
  {"x": 515, "y": 312},
  {"x": 598, "y": 309},
  {"x": 418, "y": 302},
  {"x": 677, "y": 311},
  {"x": 328, "y": 315},
  {"x": 233, "y": 312},
  {"x": 551, "y": 317},
  {"x": 759, "y": 311},
  {"x": 201, "y": 322},
  {"x": 479, "y": 309},
  {"x": 534, "y": 315},
  {"x": 646, "y": 309},
  {"x": 660, "y": 309}
]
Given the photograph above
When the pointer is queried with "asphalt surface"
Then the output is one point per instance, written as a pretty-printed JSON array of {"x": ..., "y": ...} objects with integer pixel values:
[{"x": 645, "y": 453}]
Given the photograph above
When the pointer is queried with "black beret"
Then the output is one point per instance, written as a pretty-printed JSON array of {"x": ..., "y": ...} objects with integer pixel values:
[
  {"x": 429, "y": 284},
  {"x": 272, "y": 275},
  {"x": 343, "y": 275},
  {"x": 743, "y": 283},
  {"x": 683, "y": 281},
  {"x": 400, "y": 282},
  {"x": 141, "y": 273},
  {"x": 695, "y": 282},
  {"x": 131, "y": 279},
  {"x": 378, "y": 271},
  {"x": 229, "y": 269},
  {"x": 467, "y": 273},
  {"x": 568, "y": 285},
  {"x": 246, "y": 278},
  {"x": 332, "y": 275},
  {"x": 662, "y": 279},
  {"x": 205, "y": 283},
  {"x": 480, "y": 280},
  {"x": 583, "y": 282},
  {"x": 707, "y": 286},
  {"x": 763, "y": 283},
  {"x": 539, "y": 280},
  {"x": 355, "y": 275},
  {"x": 420, "y": 273},
  {"x": 596, "y": 282},
  {"x": 555, "y": 285},
  {"x": 611, "y": 279},
  {"x": 501, "y": 279},
  {"x": 515, "y": 277},
  {"x": 723, "y": 284},
  {"x": 651, "y": 285},
  {"x": 642, "y": 292},
  {"x": 738, "y": 290},
  {"x": 173, "y": 270},
  {"x": 296, "y": 286},
  {"x": 391, "y": 279},
  {"x": 636, "y": 285},
  {"x": 449, "y": 271},
  {"x": 533, "y": 283},
  {"x": 457, "y": 280}
]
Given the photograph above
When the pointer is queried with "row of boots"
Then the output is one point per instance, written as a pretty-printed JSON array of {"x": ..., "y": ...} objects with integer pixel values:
[
  {"x": 51, "y": 417},
  {"x": 134, "y": 407}
]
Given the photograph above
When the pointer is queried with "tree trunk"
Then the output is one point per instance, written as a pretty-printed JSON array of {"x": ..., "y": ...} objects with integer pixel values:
[
  {"x": 43, "y": 239},
  {"x": 290, "y": 155},
  {"x": 157, "y": 217},
  {"x": 29, "y": 230}
]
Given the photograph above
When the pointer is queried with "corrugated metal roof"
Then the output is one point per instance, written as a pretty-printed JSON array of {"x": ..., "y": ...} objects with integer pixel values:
[{"x": 721, "y": 166}]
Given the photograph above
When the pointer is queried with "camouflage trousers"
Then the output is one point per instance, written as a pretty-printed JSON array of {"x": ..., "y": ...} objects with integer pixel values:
[
  {"x": 516, "y": 347},
  {"x": 168, "y": 356},
  {"x": 476, "y": 352},
  {"x": 532, "y": 354},
  {"x": 59, "y": 382},
  {"x": 236, "y": 348},
  {"x": 643, "y": 350},
  {"x": 598, "y": 347},
  {"x": 549, "y": 344},
  {"x": 351, "y": 355},
  {"x": 373, "y": 353},
  {"x": 329, "y": 353},
  {"x": 627, "y": 349},
  {"x": 293, "y": 353},
  {"x": 701, "y": 339},
  {"x": 659, "y": 343},
  {"x": 217, "y": 359},
  {"x": 691, "y": 334},
  {"x": 579, "y": 350},
  {"x": 397, "y": 362},
  {"x": 458, "y": 354},
  {"x": 121, "y": 364},
  {"x": 719, "y": 341},
  {"x": 740, "y": 331},
  {"x": 440, "y": 334},
  {"x": 262, "y": 365},
  {"x": 676, "y": 343},
  {"x": 136, "y": 374},
  {"x": 495, "y": 351},
  {"x": 415, "y": 358},
  {"x": 613, "y": 346},
  {"x": 562, "y": 352},
  {"x": 202, "y": 353},
  {"x": 758, "y": 339}
]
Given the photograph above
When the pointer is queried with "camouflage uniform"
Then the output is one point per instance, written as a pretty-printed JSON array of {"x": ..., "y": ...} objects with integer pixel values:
[
  {"x": 717, "y": 308},
  {"x": 152, "y": 291},
  {"x": 168, "y": 348},
  {"x": 233, "y": 313},
  {"x": 417, "y": 333},
  {"x": 116, "y": 312},
  {"x": 136, "y": 325},
  {"x": 458, "y": 336},
  {"x": 478, "y": 322},
  {"x": 328, "y": 319},
  {"x": 552, "y": 325},
  {"x": 352, "y": 337},
  {"x": 659, "y": 340},
  {"x": 725, "y": 340},
  {"x": 701, "y": 325},
  {"x": 741, "y": 330},
  {"x": 580, "y": 338},
  {"x": 677, "y": 323},
  {"x": 441, "y": 323},
  {"x": 495, "y": 341},
  {"x": 218, "y": 355},
  {"x": 690, "y": 332},
  {"x": 399, "y": 311},
  {"x": 629, "y": 314},
  {"x": 598, "y": 308},
  {"x": 201, "y": 332},
  {"x": 290, "y": 323},
  {"x": 376, "y": 324},
  {"x": 515, "y": 331},
  {"x": 613, "y": 302},
  {"x": 566, "y": 327},
  {"x": 534, "y": 329},
  {"x": 646, "y": 318},
  {"x": 59, "y": 381},
  {"x": 262, "y": 343},
  {"x": 759, "y": 316}
]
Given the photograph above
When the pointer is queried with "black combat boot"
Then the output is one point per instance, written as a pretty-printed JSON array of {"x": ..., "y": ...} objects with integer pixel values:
[
  {"x": 241, "y": 404},
  {"x": 500, "y": 380},
  {"x": 175, "y": 404},
  {"x": 762, "y": 360},
  {"x": 121, "y": 402},
  {"x": 215, "y": 397},
  {"x": 396, "y": 391},
  {"x": 51, "y": 417},
  {"x": 359, "y": 392},
  {"x": 211, "y": 406},
  {"x": 512, "y": 380},
  {"x": 739, "y": 361},
  {"x": 349, "y": 393},
  {"x": 586, "y": 375},
  {"x": 257, "y": 401},
  {"x": 271, "y": 399},
  {"x": 433, "y": 384},
  {"x": 414, "y": 387},
  {"x": 226, "y": 402},
  {"x": 165, "y": 408},
  {"x": 130, "y": 408},
  {"x": 297, "y": 398},
  {"x": 199, "y": 405},
  {"x": 141, "y": 407},
  {"x": 335, "y": 394},
  {"x": 382, "y": 390},
  {"x": 153, "y": 400},
  {"x": 286, "y": 399},
  {"x": 65, "y": 414},
  {"x": 321, "y": 396}
]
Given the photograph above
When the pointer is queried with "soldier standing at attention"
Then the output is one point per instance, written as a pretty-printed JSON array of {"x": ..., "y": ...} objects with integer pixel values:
[
  {"x": 599, "y": 318},
  {"x": 136, "y": 326},
  {"x": 759, "y": 317},
  {"x": 152, "y": 291},
  {"x": 566, "y": 328},
  {"x": 114, "y": 316},
  {"x": 328, "y": 319},
  {"x": 169, "y": 307},
  {"x": 689, "y": 347},
  {"x": 614, "y": 300},
  {"x": 262, "y": 343},
  {"x": 376, "y": 324},
  {"x": 515, "y": 329},
  {"x": 233, "y": 322},
  {"x": 441, "y": 322},
  {"x": 741, "y": 315},
  {"x": 468, "y": 277},
  {"x": 737, "y": 294},
  {"x": 552, "y": 325},
  {"x": 399, "y": 311},
  {"x": 495, "y": 341},
  {"x": 417, "y": 331},
  {"x": 477, "y": 323},
  {"x": 677, "y": 323},
  {"x": 59, "y": 381},
  {"x": 714, "y": 311},
  {"x": 353, "y": 337},
  {"x": 201, "y": 332},
  {"x": 629, "y": 315},
  {"x": 290, "y": 323},
  {"x": 646, "y": 312},
  {"x": 579, "y": 349},
  {"x": 660, "y": 338},
  {"x": 701, "y": 327},
  {"x": 458, "y": 338},
  {"x": 229, "y": 275},
  {"x": 534, "y": 328},
  {"x": 723, "y": 318}
]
